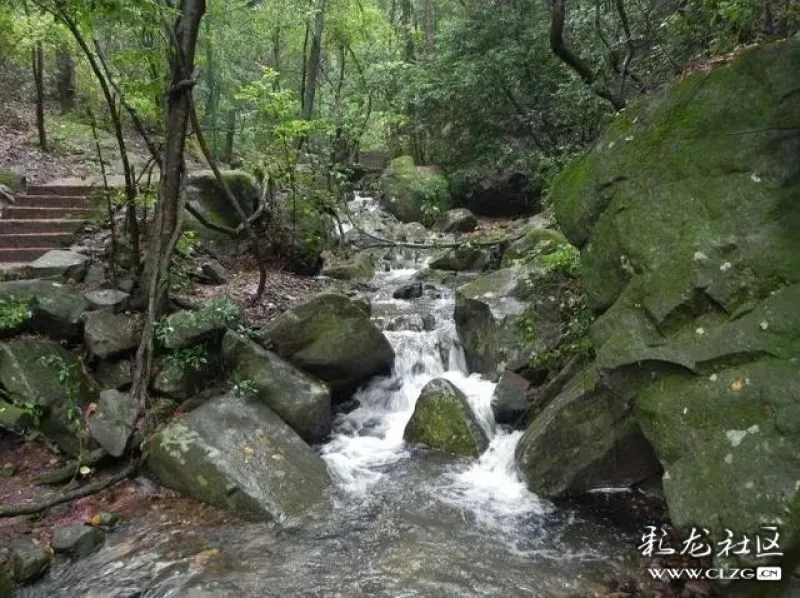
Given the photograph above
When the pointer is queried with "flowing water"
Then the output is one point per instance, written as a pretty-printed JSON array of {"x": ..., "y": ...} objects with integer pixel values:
[{"x": 402, "y": 521}]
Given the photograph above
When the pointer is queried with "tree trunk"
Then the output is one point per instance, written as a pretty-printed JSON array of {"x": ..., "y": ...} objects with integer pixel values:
[
  {"x": 212, "y": 83},
  {"x": 167, "y": 225},
  {"x": 230, "y": 135},
  {"x": 38, "y": 75},
  {"x": 573, "y": 60},
  {"x": 314, "y": 56},
  {"x": 66, "y": 80}
]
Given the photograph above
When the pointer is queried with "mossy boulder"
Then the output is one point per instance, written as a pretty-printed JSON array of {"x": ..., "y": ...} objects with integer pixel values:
[
  {"x": 207, "y": 196},
  {"x": 413, "y": 193},
  {"x": 443, "y": 419},
  {"x": 41, "y": 306},
  {"x": 300, "y": 400},
  {"x": 208, "y": 324},
  {"x": 42, "y": 376},
  {"x": 237, "y": 454},
  {"x": 332, "y": 338}
]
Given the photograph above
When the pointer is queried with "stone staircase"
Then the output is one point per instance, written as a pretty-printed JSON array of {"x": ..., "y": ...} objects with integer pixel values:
[{"x": 46, "y": 217}]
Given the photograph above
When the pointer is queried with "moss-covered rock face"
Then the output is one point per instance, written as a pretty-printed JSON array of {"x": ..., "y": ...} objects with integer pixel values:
[
  {"x": 42, "y": 306},
  {"x": 414, "y": 193},
  {"x": 332, "y": 338},
  {"x": 710, "y": 169},
  {"x": 47, "y": 380},
  {"x": 237, "y": 454},
  {"x": 443, "y": 419},
  {"x": 301, "y": 401},
  {"x": 459, "y": 220},
  {"x": 687, "y": 215}
]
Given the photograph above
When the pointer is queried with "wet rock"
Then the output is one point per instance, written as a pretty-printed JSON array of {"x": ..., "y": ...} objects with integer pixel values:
[
  {"x": 215, "y": 272},
  {"x": 461, "y": 259},
  {"x": 44, "y": 376},
  {"x": 112, "y": 299},
  {"x": 414, "y": 290},
  {"x": 28, "y": 559},
  {"x": 77, "y": 540},
  {"x": 413, "y": 322},
  {"x": 332, "y": 338},
  {"x": 107, "y": 334},
  {"x": 237, "y": 454},
  {"x": 301, "y": 401},
  {"x": 58, "y": 263},
  {"x": 460, "y": 220},
  {"x": 443, "y": 419},
  {"x": 411, "y": 232},
  {"x": 113, "y": 422},
  {"x": 510, "y": 401},
  {"x": 45, "y": 307}
]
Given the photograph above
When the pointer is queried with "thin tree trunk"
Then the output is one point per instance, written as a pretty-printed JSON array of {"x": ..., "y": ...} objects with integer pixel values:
[
  {"x": 38, "y": 75},
  {"x": 167, "y": 226},
  {"x": 314, "y": 56},
  {"x": 66, "y": 80}
]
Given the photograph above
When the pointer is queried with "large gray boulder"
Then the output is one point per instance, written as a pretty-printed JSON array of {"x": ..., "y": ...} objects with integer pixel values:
[
  {"x": 300, "y": 400},
  {"x": 462, "y": 259},
  {"x": 43, "y": 376},
  {"x": 29, "y": 559},
  {"x": 207, "y": 197},
  {"x": 412, "y": 192},
  {"x": 61, "y": 264},
  {"x": 45, "y": 307},
  {"x": 443, "y": 419},
  {"x": 332, "y": 338},
  {"x": 237, "y": 454}
]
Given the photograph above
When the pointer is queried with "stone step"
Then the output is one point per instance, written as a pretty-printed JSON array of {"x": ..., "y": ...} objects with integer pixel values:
[
  {"x": 70, "y": 190},
  {"x": 26, "y": 213},
  {"x": 21, "y": 227},
  {"x": 26, "y": 254},
  {"x": 52, "y": 201},
  {"x": 32, "y": 240}
]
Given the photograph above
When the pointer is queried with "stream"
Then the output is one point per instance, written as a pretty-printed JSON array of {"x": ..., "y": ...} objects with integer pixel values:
[{"x": 402, "y": 521}]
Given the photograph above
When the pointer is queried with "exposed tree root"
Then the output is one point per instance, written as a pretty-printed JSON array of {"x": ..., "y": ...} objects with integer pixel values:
[{"x": 38, "y": 507}]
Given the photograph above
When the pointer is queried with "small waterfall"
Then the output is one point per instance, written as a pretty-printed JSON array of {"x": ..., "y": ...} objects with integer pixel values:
[{"x": 370, "y": 438}]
